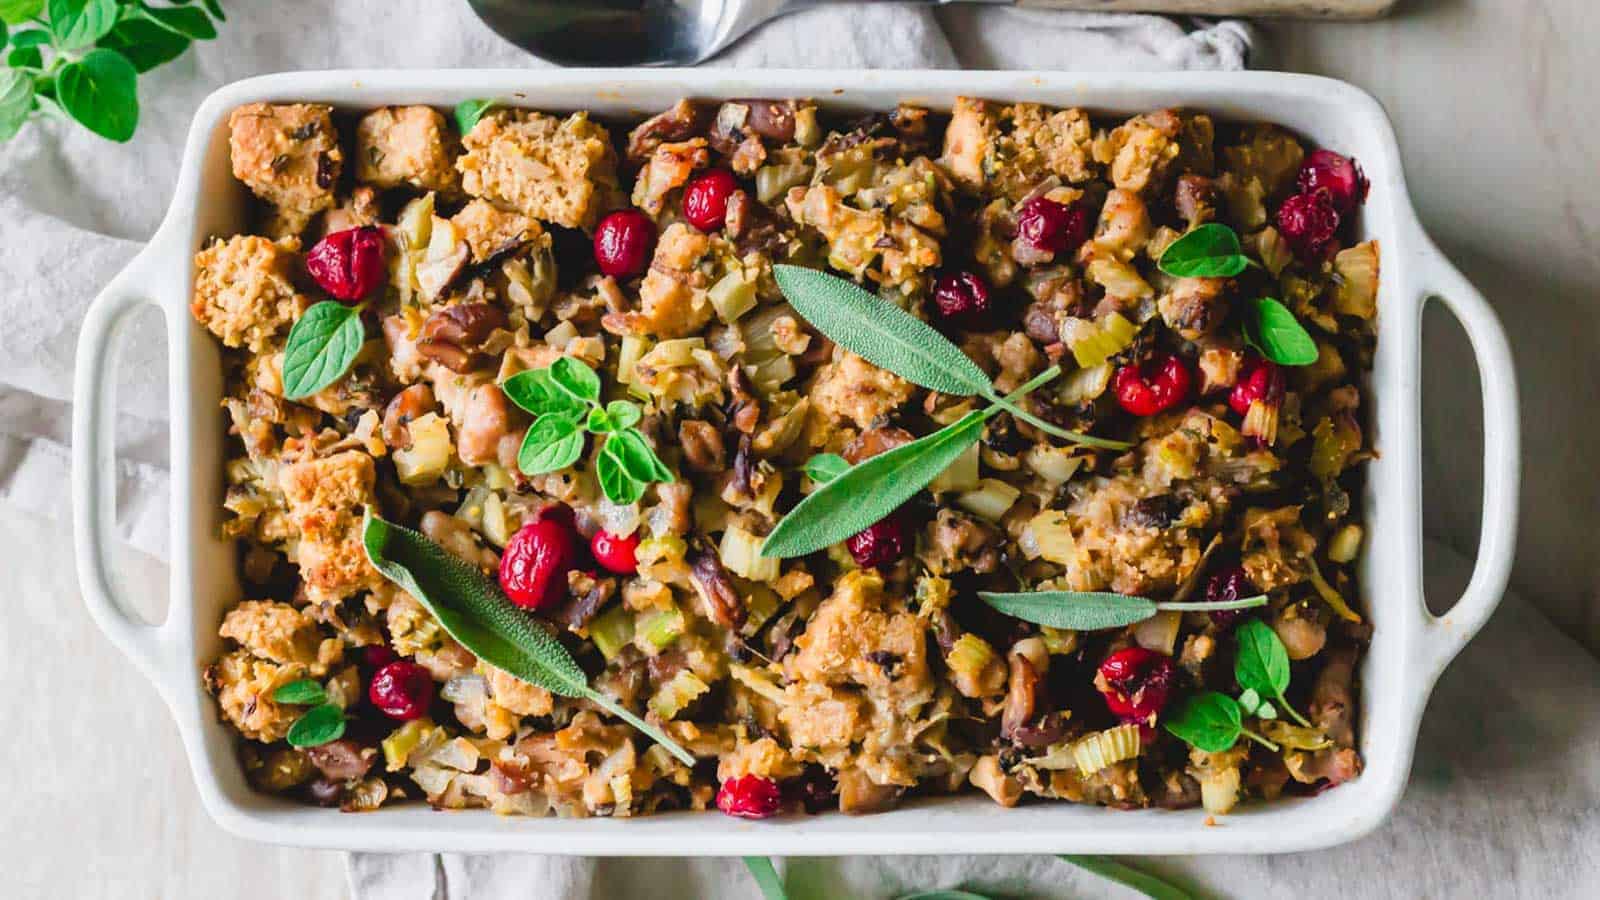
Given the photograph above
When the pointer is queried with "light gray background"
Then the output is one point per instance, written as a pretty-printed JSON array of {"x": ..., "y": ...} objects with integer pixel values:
[{"x": 1494, "y": 101}]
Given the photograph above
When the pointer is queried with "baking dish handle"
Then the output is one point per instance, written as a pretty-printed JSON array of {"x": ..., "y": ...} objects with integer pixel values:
[
  {"x": 1497, "y": 531},
  {"x": 94, "y": 465}
]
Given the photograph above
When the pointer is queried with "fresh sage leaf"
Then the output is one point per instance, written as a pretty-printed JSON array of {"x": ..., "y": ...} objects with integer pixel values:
[
  {"x": 624, "y": 414},
  {"x": 322, "y": 346},
  {"x": 867, "y": 492},
  {"x": 552, "y": 443},
  {"x": 1209, "y": 721},
  {"x": 576, "y": 379},
  {"x": 303, "y": 692},
  {"x": 472, "y": 609},
  {"x": 79, "y": 23},
  {"x": 536, "y": 392},
  {"x": 16, "y": 101},
  {"x": 1270, "y": 327},
  {"x": 98, "y": 91},
  {"x": 880, "y": 332},
  {"x": 766, "y": 876},
  {"x": 468, "y": 112},
  {"x": 1209, "y": 251},
  {"x": 618, "y": 486},
  {"x": 188, "y": 22},
  {"x": 1129, "y": 877},
  {"x": 318, "y": 726},
  {"x": 825, "y": 467},
  {"x": 1096, "y": 610},
  {"x": 18, "y": 12},
  {"x": 1262, "y": 664}
]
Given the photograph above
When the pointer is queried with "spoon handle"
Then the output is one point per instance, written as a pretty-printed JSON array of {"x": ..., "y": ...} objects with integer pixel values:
[{"x": 1303, "y": 9}]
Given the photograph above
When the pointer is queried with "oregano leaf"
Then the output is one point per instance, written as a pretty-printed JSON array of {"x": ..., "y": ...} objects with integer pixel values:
[
  {"x": 79, "y": 23},
  {"x": 16, "y": 101},
  {"x": 1209, "y": 251},
  {"x": 536, "y": 392},
  {"x": 321, "y": 347},
  {"x": 468, "y": 112},
  {"x": 99, "y": 91},
  {"x": 145, "y": 43},
  {"x": 1209, "y": 721},
  {"x": 618, "y": 486},
  {"x": 553, "y": 442},
  {"x": 825, "y": 467},
  {"x": 1270, "y": 327},
  {"x": 576, "y": 379},
  {"x": 303, "y": 692},
  {"x": 319, "y": 725}
]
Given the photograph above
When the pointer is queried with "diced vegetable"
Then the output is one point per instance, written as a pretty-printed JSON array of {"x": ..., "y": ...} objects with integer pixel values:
[
  {"x": 398, "y": 745},
  {"x": 732, "y": 296},
  {"x": 633, "y": 347},
  {"x": 659, "y": 629},
  {"x": 1330, "y": 596},
  {"x": 1345, "y": 544},
  {"x": 961, "y": 475},
  {"x": 671, "y": 698},
  {"x": 1049, "y": 535},
  {"x": 990, "y": 499},
  {"x": 1056, "y": 465},
  {"x": 611, "y": 631},
  {"x": 1095, "y": 751},
  {"x": 429, "y": 454},
  {"x": 1093, "y": 342},
  {"x": 1355, "y": 283},
  {"x": 741, "y": 554}
]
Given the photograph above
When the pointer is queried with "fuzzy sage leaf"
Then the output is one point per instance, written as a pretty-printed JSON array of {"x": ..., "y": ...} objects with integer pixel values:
[
  {"x": 322, "y": 345},
  {"x": 1209, "y": 251},
  {"x": 766, "y": 876},
  {"x": 472, "y": 609},
  {"x": 1096, "y": 610},
  {"x": 1270, "y": 327},
  {"x": 1127, "y": 876},
  {"x": 825, "y": 467}
]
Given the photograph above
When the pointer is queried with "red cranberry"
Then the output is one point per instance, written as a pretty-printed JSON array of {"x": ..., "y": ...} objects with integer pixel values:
[
  {"x": 1135, "y": 683},
  {"x": 1156, "y": 386},
  {"x": 705, "y": 199},
  {"x": 1226, "y": 586},
  {"x": 348, "y": 264},
  {"x": 1308, "y": 223},
  {"x": 623, "y": 243},
  {"x": 401, "y": 690},
  {"x": 961, "y": 299},
  {"x": 879, "y": 544},
  {"x": 533, "y": 570},
  {"x": 1261, "y": 380},
  {"x": 615, "y": 552},
  {"x": 376, "y": 656},
  {"x": 1340, "y": 176},
  {"x": 1051, "y": 227},
  {"x": 749, "y": 797}
]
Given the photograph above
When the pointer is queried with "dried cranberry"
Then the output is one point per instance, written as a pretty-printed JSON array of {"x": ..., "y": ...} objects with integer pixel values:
[
  {"x": 1226, "y": 586},
  {"x": 962, "y": 300},
  {"x": 401, "y": 690},
  {"x": 749, "y": 797},
  {"x": 1308, "y": 223},
  {"x": 1340, "y": 176},
  {"x": 376, "y": 656},
  {"x": 705, "y": 199},
  {"x": 879, "y": 544},
  {"x": 1261, "y": 380},
  {"x": 623, "y": 243},
  {"x": 1135, "y": 683},
  {"x": 615, "y": 552},
  {"x": 533, "y": 570},
  {"x": 1051, "y": 227},
  {"x": 348, "y": 264},
  {"x": 1156, "y": 386}
]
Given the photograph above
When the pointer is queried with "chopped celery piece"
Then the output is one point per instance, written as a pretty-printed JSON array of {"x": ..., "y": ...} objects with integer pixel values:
[
  {"x": 611, "y": 631},
  {"x": 660, "y": 629},
  {"x": 678, "y": 693}
]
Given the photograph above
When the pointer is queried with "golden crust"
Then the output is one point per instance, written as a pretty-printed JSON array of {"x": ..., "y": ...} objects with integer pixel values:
[
  {"x": 326, "y": 498},
  {"x": 406, "y": 145},
  {"x": 243, "y": 291},
  {"x": 558, "y": 170},
  {"x": 289, "y": 156}
]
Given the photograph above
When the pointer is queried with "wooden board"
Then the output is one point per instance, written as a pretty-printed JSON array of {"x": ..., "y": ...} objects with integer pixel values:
[{"x": 1298, "y": 9}]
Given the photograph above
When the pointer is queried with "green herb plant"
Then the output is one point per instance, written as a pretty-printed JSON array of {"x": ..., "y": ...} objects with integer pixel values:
[
  {"x": 1211, "y": 250},
  {"x": 1142, "y": 883},
  {"x": 472, "y": 609},
  {"x": 81, "y": 59},
  {"x": 323, "y": 722},
  {"x": 1097, "y": 610},
  {"x": 565, "y": 400},
  {"x": 322, "y": 346},
  {"x": 1213, "y": 721},
  {"x": 1271, "y": 328},
  {"x": 854, "y": 497}
]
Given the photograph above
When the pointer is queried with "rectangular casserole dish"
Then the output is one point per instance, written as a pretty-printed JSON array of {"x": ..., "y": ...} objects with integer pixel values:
[{"x": 1409, "y": 648}]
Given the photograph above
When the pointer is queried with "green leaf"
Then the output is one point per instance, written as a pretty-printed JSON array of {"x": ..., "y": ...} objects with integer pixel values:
[
  {"x": 5, "y": 33},
  {"x": 16, "y": 12},
  {"x": 190, "y": 23},
  {"x": 16, "y": 101},
  {"x": 1209, "y": 251},
  {"x": 471, "y": 608},
  {"x": 536, "y": 392},
  {"x": 766, "y": 876},
  {"x": 552, "y": 443},
  {"x": 215, "y": 8},
  {"x": 624, "y": 414},
  {"x": 1129, "y": 877},
  {"x": 880, "y": 332},
  {"x": 825, "y": 467},
  {"x": 322, "y": 345},
  {"x": 1210, "y": 721},
  {"x": 1262, "y": 663},
  {"x": 468, "y": 112},
  {"x": 618, "y": 485},
  {"x": 637, "y": 457},
  {"x": 144, "y": 43},
  {"x": 24, "y": 58},
  {"x": 576, "y": 379},
  {"x": 318, "y": 726},
  {"x": 871, "y": 490},
  {"x": 942, "y": 895},
  {"x": 30, "y": 37},
  {"x": 99, "y": 91},
  {"x": 1095, "y": 610},
  {"x": 599, "y": 421},
  {"x": 304, "y": 692},
  {"x": 79, "y": 23},
  {"x": 1271, "y": 328}
]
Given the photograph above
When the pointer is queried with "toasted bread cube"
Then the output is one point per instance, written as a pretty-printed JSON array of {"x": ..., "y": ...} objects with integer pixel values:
[
  {"x": 326, "y": 499},
  {"x": 243, "y": 292},
  {"x": 556, "y": 170},
  {"x": 406, "y": 145},
  {"x": 289, "y": 156}
]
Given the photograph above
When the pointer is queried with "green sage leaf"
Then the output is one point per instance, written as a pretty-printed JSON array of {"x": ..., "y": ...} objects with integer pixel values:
[
  {"x": 16, "y": 101},
  {"x": 468, "y": 112},
  {"x": 536, "y": 392},
  {"x": 99, "y": 91},
  {"x": 1271, "y": 328},
  {"x": 322, "y": 346},
  {"x": 1209, "y": 251},
  {"x": 318, "y": 726},
  {"x": 618, "y": 486},
  {"x": 825, "y": 467},
  {"x": 880, "y": 332},
  {"x": 188, "y": 22},
  {"x": 16, "y": 12},
  {"x": 576, "y": 379},
  {"x": 79, "y": 23},
  {"x": 766, "y": 876},
  {"x": 303, "y": 692},
  {"x": 1262, "y": 663},
  {"x": 1210, "y": 721},
  {"x": 144, "y": 43},
  {"x": 1129, "y": 877},
  {"x": 942, "y": 895},
  {"x": 552, "y": 443},
  {"x": 871, "y": 490},
  {"x": 1077, "y": 610},
  {"x": 472, "y": 609}
]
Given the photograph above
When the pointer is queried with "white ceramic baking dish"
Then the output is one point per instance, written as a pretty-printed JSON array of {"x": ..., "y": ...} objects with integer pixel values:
[{"x": 1409, "y": 648}]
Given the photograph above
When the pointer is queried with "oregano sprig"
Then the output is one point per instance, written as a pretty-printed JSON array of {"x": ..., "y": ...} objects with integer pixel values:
[
  {"x": 323, "y": 722},
  {"x": 1097, "y": 610},
  {"x": 565, "y": 401}
]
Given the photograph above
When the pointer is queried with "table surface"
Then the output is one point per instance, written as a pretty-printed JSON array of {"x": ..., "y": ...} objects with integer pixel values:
[{"x": 1493, "y": 102}]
